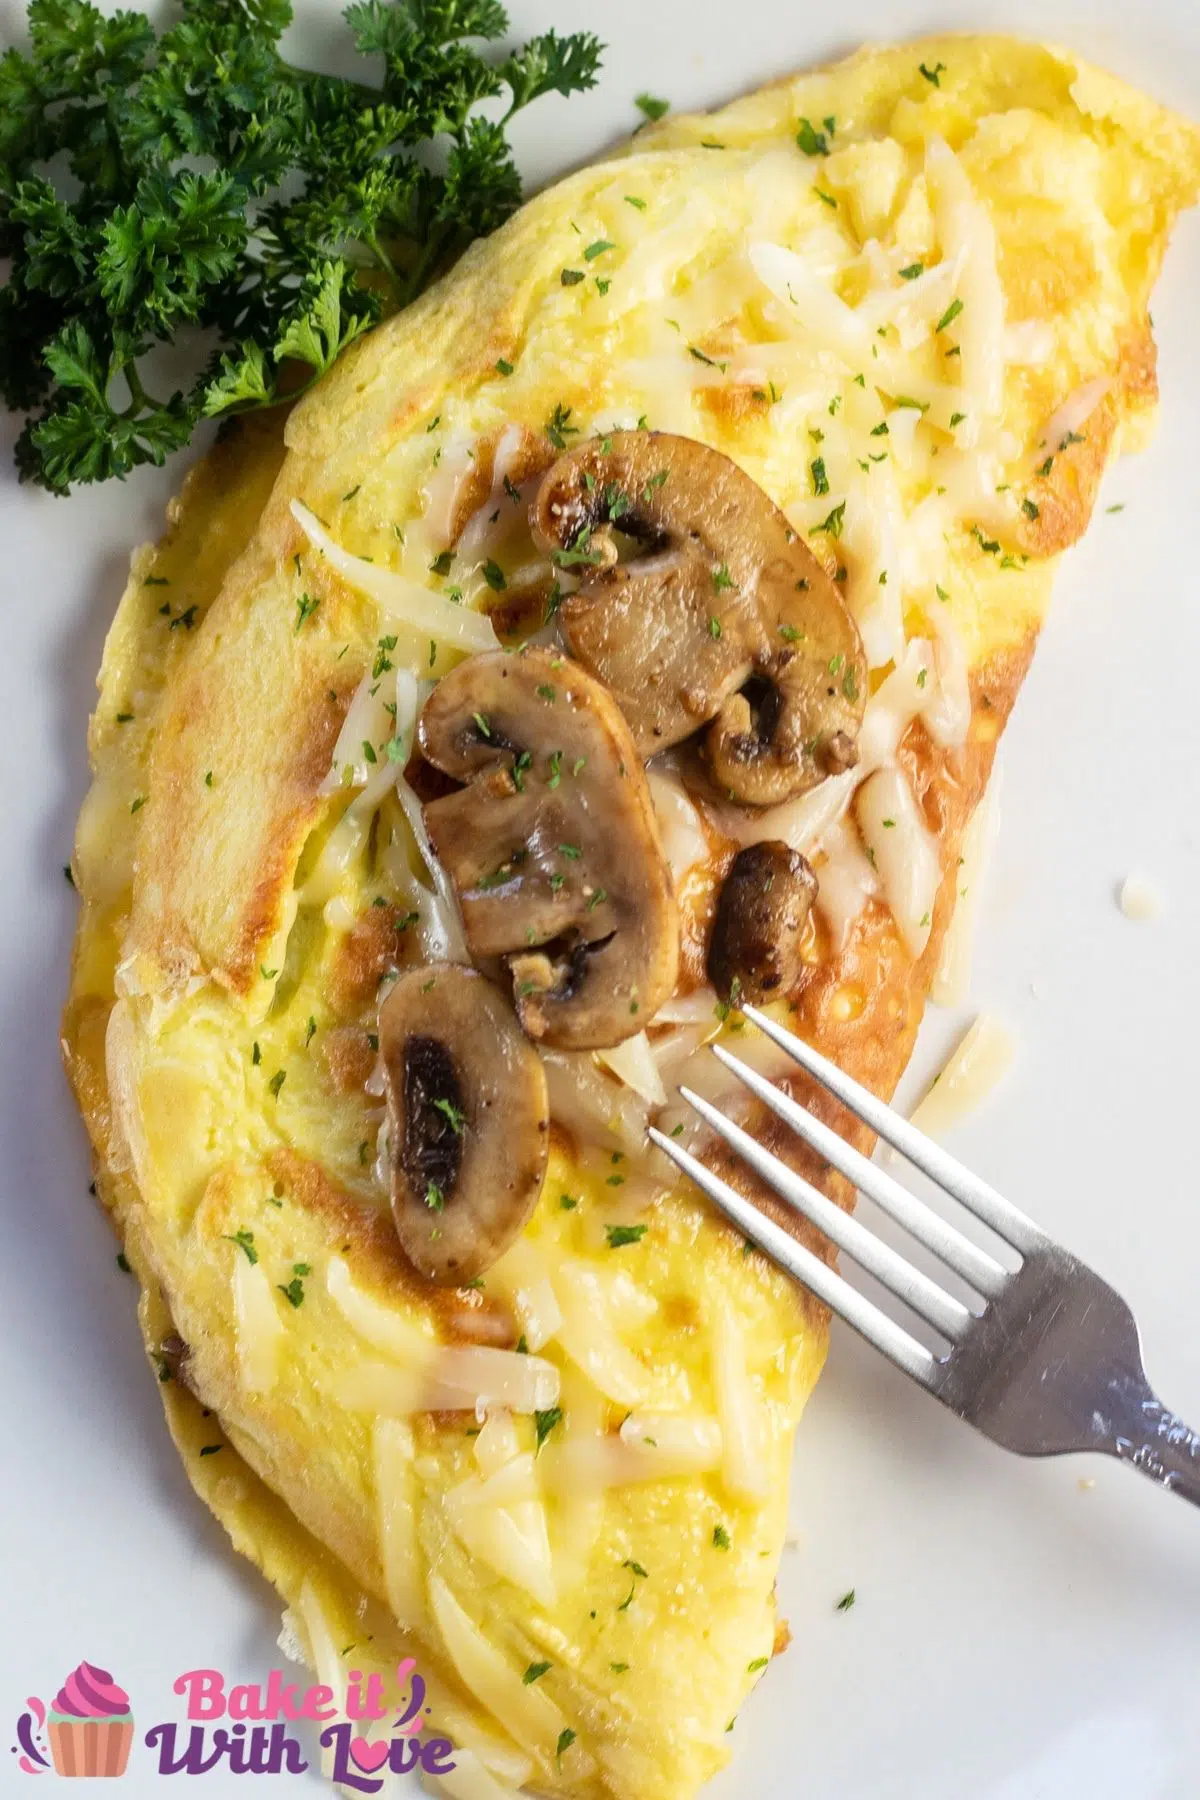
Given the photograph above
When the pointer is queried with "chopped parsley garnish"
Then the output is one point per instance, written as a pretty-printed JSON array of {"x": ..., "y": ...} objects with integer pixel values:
[
  {"x": 558, "y": 428},
  {"x": 210, "y": 1449},
  {"x": 493, "y": 574},
  {"x": 276, "y": 1082},
  {"x": 721, "y": 579},
  {"x": 435, "y": 1200},
  {"x": 566, "y": 1738},
  {"x": 453, "y": 1114},
  {"x": 827, "y": 198},
  {"x": 306, "y": 606},
  {"x": 720, "y": 1538},
  {"x": 811, "y": 141},
  {"x": 832, "y": 526},
  {"x": 636, "y": 201},
  {"x": 503, "y": 367},
  {"x": 597, "y": 248},
  {"x": 534, "y": 1672},
  {"x": 245, "y": 1241},
  {"x": 638, "y": 1574},
  {"x": 544, "y": 1423},
  {"x": 714, "y": 626},
  {"x": 933, "y": 75},
  {"x": 620, "y": 1235},
  {"x": 293, "y": 1291},
  {"x": 1031, "y": 509},
  {"x": 481, "y": 725},
  {"x": 546, "y": 691},
  {"x": 846, "y": 1601},
  {"x": 571, "y": 277},
  {"x": 760, "y": 1662},
  {"x": 578, "y": 552},
  {"x": 911, "y": 271},
  {"x": 568, "y": 1202},
  {"x": 652, "y": 106},
  {"x": 820, "y": 480},
  {"x": 951, "y": 313}
]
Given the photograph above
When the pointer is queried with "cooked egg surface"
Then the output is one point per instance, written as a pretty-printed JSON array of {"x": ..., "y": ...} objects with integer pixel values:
[{"x": 907, "y": 294}]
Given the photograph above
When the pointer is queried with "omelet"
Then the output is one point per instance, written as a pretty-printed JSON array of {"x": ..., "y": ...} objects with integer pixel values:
[{"x": 622, "y": 632}]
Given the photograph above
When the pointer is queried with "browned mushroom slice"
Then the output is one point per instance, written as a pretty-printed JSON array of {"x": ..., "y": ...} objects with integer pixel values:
[
  {"x": 722, "y": 612},
  {"x": 553, "y": 845},
  {"x": 468, "y": 1120},
  {"x": 755, "y": 951}
]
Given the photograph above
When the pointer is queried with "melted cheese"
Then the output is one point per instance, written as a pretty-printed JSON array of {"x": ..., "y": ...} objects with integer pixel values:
[
  {"x": 404, "y": 602},
  {"x": 260, "y": 1332},
  {"x": 397, "y": 1513},
  {"x": 979, "y": 1062},
  {"x": 903, "y": 852}
]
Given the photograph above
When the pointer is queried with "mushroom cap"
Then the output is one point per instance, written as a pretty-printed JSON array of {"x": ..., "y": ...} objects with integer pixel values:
[
  {"x": 553, "y": 844},
  {"x": 468, "y": 1120},
  {"x": 755, "y": 950},
  {"x": 721, "y": 593}
]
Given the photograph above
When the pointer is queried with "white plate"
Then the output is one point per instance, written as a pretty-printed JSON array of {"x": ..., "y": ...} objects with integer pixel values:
[{"x": 1018, "y": 1635}]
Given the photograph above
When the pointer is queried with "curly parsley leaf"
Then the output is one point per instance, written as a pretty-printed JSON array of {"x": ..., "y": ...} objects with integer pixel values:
[{"x": 152, "y": 182}]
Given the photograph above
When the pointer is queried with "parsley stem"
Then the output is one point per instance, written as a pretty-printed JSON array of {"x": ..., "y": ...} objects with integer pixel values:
[
  {"x": 139, "y": 400},
  {"x": 410, "y": 288},
  {"x": 384, "y": 260}
]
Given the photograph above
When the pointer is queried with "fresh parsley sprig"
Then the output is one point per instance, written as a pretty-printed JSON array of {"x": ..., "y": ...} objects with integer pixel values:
[{"x": 195, "y": 189}]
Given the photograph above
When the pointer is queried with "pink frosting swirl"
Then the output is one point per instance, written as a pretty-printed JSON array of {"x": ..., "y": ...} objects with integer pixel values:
[{"x": 91, "y": 1693}]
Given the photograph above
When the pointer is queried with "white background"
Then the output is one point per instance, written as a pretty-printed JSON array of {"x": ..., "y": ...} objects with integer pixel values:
[{"x": 1016, "y": 1636}]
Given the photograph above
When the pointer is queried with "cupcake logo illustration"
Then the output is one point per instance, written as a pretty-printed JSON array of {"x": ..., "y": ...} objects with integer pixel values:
[{"x": 88, "y": 1725}]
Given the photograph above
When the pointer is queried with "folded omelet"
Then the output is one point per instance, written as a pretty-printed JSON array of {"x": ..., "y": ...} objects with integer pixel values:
[{"x": 624, "y": 630}]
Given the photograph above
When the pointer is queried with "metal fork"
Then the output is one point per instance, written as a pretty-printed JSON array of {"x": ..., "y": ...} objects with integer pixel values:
[{"x": 1050, "y": 1361}]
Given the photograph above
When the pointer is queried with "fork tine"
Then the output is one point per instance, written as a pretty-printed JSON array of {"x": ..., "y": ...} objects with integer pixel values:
[
  {"x": 976, "y": 1195},
  {"x": 945, "y": 1314},
  {"x": 803, "y": 1266},
  {"x": 985, "y": 1275}
]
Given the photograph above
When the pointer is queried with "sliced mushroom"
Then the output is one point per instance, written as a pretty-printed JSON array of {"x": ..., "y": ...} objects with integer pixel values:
[
  {"x": 553, "y": 845},
  {"x": 755, "y": 951},
  {"x": 723, "y": 614},
  {"x": 468, "y": 1120}
]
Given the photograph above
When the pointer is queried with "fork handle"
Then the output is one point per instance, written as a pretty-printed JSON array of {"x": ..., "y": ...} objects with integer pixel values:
[{"x": 1160, "y": 1445}]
